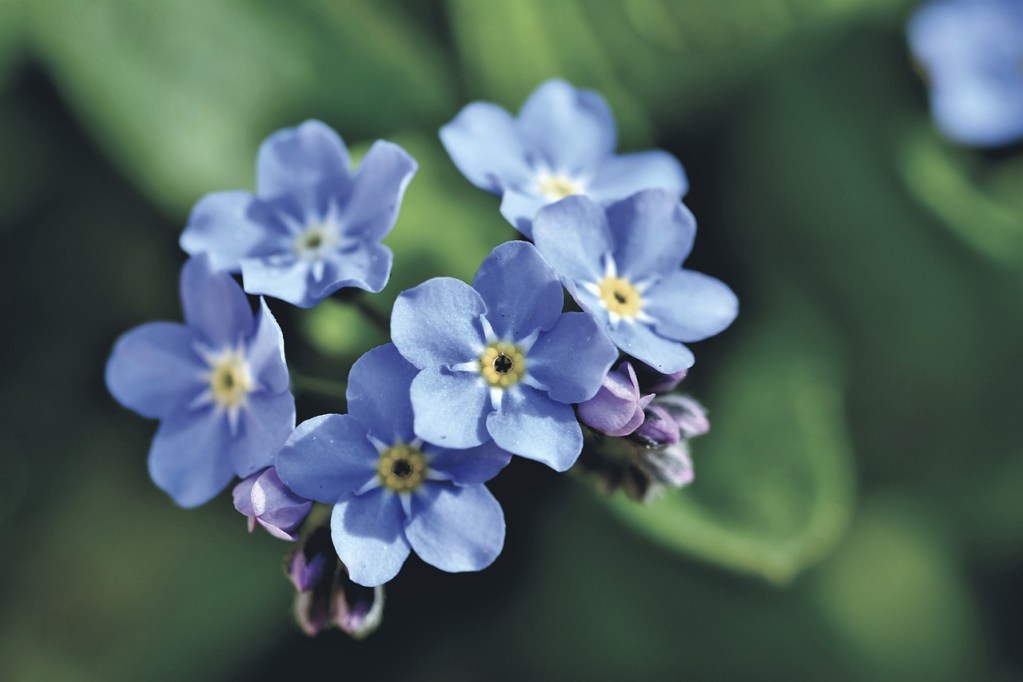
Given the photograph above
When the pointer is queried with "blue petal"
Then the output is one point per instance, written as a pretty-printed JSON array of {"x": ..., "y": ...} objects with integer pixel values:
[
  {"x": 622, "y": 176},
  {"x": 519, "y": 208},
  {"x": 265, "y": 353},
  {"x": 264, "y": 426},
  {"x": 378, "y": 394},
  {"x": 371, "y": 206},
  {"x": 456, "y": 529},
  {"x": 573, "y": 128},
  {"x": 643, "y": 343},
  {"x": 308, "y": 163},
  {"x": 326, "y": 458},
  {"x": 214, "y": 303},
  {"x": 368, "y": 537},
  {"x": 653, "y": 234},
  {"x": 189, "y": 458},
  {"x": 471, "y": 465},
  {"x": 521, "y": 292},
  {"x": 573, "y": 236},
  {"x": 572, "y": 359},
  {"x": 366, "y": 267},
  {"x": 690, "y": 306},
  {"x": 437, "y": 323},
  {"x": 286, "y": 279},
  {"x": 484, "y": 144},
  {"x": 154, "y": 369},
  {"x": 223, "y": 226},
  {"x": 450, "y": 408},
  {"x": 531, "y": 425}
]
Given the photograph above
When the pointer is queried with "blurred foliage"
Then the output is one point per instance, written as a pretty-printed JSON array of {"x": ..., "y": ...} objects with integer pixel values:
[{"x": 877, "y": 266}]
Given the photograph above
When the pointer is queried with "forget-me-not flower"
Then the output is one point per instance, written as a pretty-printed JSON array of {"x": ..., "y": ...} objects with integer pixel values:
[
  {"x": 392, "y": 491},
  {"x": 972, "y": 52},
  {"x": 623, "y": 265},
  {"x": 499, "y": 360},
  {"x": 218, "y": 384},
  {"x": 313, "y": 226},
  {"x": 562, "y": 143}
]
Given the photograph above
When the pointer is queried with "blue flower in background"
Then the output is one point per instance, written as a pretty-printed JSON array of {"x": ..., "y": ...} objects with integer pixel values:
[
  {"x": 499, "y": 359},
  {"x": 562, "y": 143},
  {"x": 972, "y": 52},
  {"x": 218, "y": 384},
  {"x": 312, "y": 227},
  {"x": 392, "y": 492},
  {"x": 622, "y": 265}
]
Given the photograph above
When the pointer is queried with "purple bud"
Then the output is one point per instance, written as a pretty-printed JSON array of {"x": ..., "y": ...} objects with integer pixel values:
[
  {"x": 312, "y": 610},
  {"x": 617, "y": 408},
  {"x": 655, "y": 382},
  {"x": 659, "y": 428},
  {"x": 357, "y": 610},
  {"x": 266, "y": 500},
  {"x": 312, "y": 560},
  {"x": 670, "y": 466},
  {"x": 689, "y": 414}
]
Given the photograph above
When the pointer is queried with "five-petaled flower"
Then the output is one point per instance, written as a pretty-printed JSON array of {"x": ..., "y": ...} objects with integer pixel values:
[
  {"x": 392, "y": 491},
  {"x": 499, "y": 360},
  {"x": 312, "y": 227},
  {"x": 218, "y": 384},
  {"x": 562, "y": 143},
  {"x": 972, "y": 52},
  {"x": 623, "y": 265}
]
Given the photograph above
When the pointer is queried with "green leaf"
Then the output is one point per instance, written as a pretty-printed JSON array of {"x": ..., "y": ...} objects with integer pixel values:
[
  {"x": 774, "y": 480},
  {"x": 946, "y": 183},
  {"x": 181, "y": 92}
]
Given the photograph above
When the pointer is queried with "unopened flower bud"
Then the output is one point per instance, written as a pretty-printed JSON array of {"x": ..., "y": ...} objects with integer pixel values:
[
  {"x": 659, "y": 428},
  {"x": 266, "y": 500},
  {"x": 689, "y": 414},
  {"x": 313, "y": 559},
  {"x": 356, "y": 610},
  {"x": 617, "y": 408},
  {"x": 670, "y": 466}
]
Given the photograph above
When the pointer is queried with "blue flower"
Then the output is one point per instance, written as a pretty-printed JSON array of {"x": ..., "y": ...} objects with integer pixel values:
[
  {"x": 392, "y": 492},
  {"x": 498, "y": 360},
  {"x": 562, "y": 143},
  {"x": 622, "y": 265},
  {"x": 972, "y": 51},
  {"x": 218, "y": 384},
  {"x": 312, "y": 227}
]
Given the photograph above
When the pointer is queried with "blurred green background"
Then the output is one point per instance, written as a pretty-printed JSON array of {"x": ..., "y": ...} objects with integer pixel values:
[{"x": 857, "y": 510}]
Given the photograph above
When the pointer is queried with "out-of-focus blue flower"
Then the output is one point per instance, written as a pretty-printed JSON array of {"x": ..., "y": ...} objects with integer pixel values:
[
  {"x": 267, "y": 501},
  {"x": 623, "y": 266},
  {"x": 562, "y": 143},
  {"x": 499, "y": 360},
  {"x": 218, "y": 384},
  {"x": 392, "y": 492},
  {"x": 617, "y": 409},
  {"x": 972, "y": 52},
  {"x": 313, "y": 226}
]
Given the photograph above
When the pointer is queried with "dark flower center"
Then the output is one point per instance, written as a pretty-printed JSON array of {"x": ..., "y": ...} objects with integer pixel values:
[
  {"x": 502, "y": 364},
  {"x": 401, "y": 468}
]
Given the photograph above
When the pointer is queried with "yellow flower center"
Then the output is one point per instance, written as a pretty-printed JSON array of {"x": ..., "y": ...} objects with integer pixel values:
[
  {"x": 555, "y": 187},
  {"x": 503, "y": 364},
  {"x": 620, "y": 297},
  {"x": 230, "y": 380},
  {"x": 313, "y": 240},
  {"x": 402, "y": 468}
]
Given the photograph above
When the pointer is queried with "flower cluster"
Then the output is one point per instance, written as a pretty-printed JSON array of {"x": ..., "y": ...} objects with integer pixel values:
[{"x": 475, "y": 374}]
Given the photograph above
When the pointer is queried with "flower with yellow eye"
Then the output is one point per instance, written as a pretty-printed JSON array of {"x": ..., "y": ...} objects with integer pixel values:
[
  {"x": 623, "y": 265},
  {"x": 499, "y": 360},
  {"x": 561, "y": 144},
  {"x": 393, "y": 492},
  {"x": 218, "y": 384}
]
